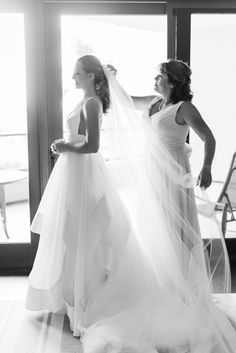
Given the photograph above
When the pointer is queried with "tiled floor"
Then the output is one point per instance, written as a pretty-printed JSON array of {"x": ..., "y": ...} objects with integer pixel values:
[{"x": 15, "y": 288}]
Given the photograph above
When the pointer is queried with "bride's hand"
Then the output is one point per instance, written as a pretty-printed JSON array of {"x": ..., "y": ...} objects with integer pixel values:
[
  {"x": 53, "y": 149},
  {"x": 58, "y": 146}
]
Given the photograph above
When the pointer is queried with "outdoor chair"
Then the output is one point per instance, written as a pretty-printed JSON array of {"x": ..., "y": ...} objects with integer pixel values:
[{"x": 228, "y": 196}]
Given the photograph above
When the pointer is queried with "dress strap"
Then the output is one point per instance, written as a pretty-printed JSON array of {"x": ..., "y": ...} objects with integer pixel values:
[
  {"x": 100, "y": 106},
  {"x": 155, "y": 100},
  {"x": 176, "y": 106},
  {"x": 179, "y": 103},
  {"x": 150, "y": 105},
  {"x": 94, "y": 98}
]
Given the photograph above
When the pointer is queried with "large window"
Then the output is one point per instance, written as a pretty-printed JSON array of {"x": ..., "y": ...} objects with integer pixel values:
[
  {"x": 213, "y": 82},
  {"x": 14, "y": 190},
  {"x": 42, "y": 42},
  {"x": 135, "y": 45},
  {"x": 213, "y": 55}
]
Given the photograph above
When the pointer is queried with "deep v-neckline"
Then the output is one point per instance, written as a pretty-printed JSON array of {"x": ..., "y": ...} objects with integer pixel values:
[
  {"x": 71, "y": 115},
  {"x": 159, "y": 111}
]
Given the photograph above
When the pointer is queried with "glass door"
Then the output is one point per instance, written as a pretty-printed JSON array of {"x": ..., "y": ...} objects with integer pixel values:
[
  {"x": 135, "y": 45},
  {"x": 213, "y": 55},
  {"x": 130, "y": 49},
  {"x": 38, "y": 48},
  {"x": 134, "y": 40},
  {"x": 16, "y": 147},
  {"x": 14, "y": 180}
]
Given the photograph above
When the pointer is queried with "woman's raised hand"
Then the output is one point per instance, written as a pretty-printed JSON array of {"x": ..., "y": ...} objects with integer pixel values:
[{"x": 112, "y": 69}]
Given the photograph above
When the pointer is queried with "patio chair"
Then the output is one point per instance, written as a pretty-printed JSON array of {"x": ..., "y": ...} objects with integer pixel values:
[{"x": 228, "y": 196}]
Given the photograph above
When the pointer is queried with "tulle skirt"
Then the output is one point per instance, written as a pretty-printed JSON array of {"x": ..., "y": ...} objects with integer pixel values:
[
  {"x": 83, "y": 229},
  {"x": 128, "y": 284}
]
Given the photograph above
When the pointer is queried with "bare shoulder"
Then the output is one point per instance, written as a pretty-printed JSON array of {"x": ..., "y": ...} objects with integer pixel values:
[
  {"x": 92, "y": 105},
  {"x": 187, "y": 112},
  {"x": 93, "y": 102},
  {"x": 188, "y": 108}
]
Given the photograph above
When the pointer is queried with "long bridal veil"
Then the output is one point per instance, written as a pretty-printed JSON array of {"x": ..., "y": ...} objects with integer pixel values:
[
  {"x": 159, "y": 296},
  {"x": 153, "y": 180}
]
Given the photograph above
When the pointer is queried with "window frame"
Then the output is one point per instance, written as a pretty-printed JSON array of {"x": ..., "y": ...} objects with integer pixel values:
[
  {"x": 44, "y": 88},
  {"x": 179, "y": 46},
  {"x": 17, "y": 258}
]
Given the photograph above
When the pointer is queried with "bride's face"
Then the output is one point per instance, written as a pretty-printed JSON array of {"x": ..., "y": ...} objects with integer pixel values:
[
  {"x": 81, "y": 77},
  {"x": 162, "y": 84}
]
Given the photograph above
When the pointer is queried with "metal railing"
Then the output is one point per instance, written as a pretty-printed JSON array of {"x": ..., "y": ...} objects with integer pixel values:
[{"x": 13, "y": 134}]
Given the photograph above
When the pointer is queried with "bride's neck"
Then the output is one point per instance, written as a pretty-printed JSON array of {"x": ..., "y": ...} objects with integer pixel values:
[{"x": 89, "y": 92}]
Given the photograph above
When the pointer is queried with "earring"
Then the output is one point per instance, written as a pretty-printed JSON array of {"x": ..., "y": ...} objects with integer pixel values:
[{"x": 97, "y": 89}]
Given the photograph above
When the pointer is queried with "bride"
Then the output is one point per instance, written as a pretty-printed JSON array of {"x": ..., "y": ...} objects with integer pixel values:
[{"x": 128, "y": 267}]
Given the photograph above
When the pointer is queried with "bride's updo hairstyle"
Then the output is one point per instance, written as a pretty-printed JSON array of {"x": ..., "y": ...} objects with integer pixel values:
[
  {"x": 179, "y": 76},
  {"x": 91, "y": 64}
]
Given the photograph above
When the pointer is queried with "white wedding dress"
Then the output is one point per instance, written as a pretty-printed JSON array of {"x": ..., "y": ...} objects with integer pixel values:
[
  {"x": 83, "y": 230},
  {"x": 157, "y": 297}
]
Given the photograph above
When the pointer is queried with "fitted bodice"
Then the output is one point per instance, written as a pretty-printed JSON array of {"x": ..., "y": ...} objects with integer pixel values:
[
  {"x": 171, "y": 134},
  {"x": 73, "y": 122}
]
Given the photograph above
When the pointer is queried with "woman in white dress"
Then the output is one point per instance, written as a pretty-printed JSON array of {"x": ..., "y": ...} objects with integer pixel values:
[
  {"x": 80, "y": 213},
  {"x": 134, "y": 280},
  {"x": 172, "y": 83},
  {"x": 170, "y": 115}
]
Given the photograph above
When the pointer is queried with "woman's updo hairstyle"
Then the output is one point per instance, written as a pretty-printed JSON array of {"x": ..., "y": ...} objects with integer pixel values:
[
  {"x": 178, "y": 74},
  {"x": 91, "y": 64}
]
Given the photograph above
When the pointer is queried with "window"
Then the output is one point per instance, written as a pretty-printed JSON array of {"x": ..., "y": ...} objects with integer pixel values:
[{"x": 13, "y": 131}]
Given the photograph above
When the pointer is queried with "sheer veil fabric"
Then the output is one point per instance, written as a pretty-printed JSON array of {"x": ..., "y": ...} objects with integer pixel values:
[
  {"x": 156, "y": 178},
  {"x": 159, "y": 297}
]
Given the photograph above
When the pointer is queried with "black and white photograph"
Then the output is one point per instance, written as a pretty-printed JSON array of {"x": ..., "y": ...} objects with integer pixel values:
[{"x": 117, "y": 176}]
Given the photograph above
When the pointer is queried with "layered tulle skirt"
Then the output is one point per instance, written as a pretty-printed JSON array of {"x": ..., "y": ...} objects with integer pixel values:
[
  {"x": 123, "y": 266},
  {"x": 83, "y": 230}
]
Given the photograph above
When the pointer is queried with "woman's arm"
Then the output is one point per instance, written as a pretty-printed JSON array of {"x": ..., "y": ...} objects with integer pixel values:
[
  {"x": 191, "y": 116},
  {"x": 141, "y": 103},
  {"x": 91, "y": 145}
]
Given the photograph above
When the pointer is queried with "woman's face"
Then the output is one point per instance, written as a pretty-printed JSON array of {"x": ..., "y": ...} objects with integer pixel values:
[
  {"x": 162, "y": 84},
  {"x": 81, "y": 77}
]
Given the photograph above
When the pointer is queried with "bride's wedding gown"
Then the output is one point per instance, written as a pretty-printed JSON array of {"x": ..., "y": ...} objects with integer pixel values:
[
  {"x": 157, "y": 296},
  {"x": 83, "y": 230}
]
